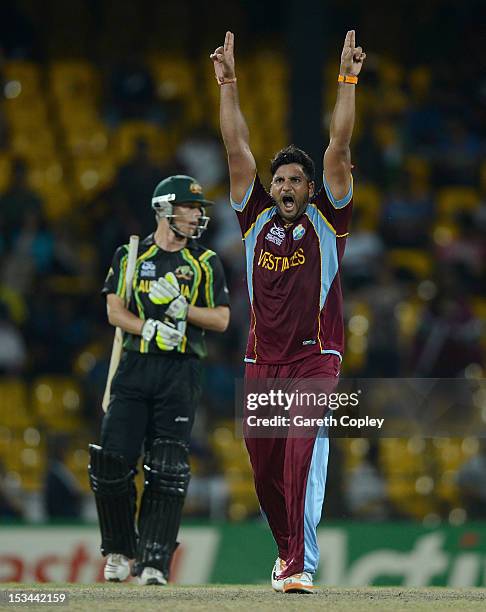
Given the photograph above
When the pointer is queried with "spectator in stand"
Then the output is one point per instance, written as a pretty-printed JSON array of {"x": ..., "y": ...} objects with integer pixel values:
[
  {"x": 448, "y": 336},
  {"x": 13, "y": 353},
  {"x": 366, "y": 488},
  {"x": 407, "y": 213},
  {"x": 471, "y": 480},
  {"x": 18, "y": 200},
  {"x": 201, "y": 155},
  {"x": 134, "y": 184},
  {"x": 467, "y": 249},
  {"x": 132, "y": 94},
  {"x": 62, "y": 493},
  {"x": 57, "y": 329},
  {"x": 10, "y": 507},
  {"x": 382, "y": 297},
  {"x": 31, "y": 254},
  {"x": 423, "y": 123},
  {"x": 3, "y": 241},
  {"x": 458, "y": 156},
  {"x": 364, "y": 250},
  {"x": 371, "y": 164}
]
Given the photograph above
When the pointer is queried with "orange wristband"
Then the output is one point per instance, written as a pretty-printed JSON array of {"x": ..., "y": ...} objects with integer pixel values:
[
  {"x": 225, "y": 81},
  {"x": 348, "y": 78}
]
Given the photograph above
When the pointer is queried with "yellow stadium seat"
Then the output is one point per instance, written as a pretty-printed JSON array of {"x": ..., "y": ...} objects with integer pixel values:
[
  {"x": 366, "y": 197},
  {"x": 398, "y": 456},
  {"x": 420, "y": 79},
  {"x": 408, "y": 314},
  {"x": 453, "y": 200},
  {"x": 14, "y": 404},
  {"x": 58, "y": 202},
  {"x": 23, "y": 117},
  {"x": 77, "y": 461},
  {"x": 243, "y": 501},
  {"x": 21, "y": 80},
  {"x": 27, "y": 462},
  {"x": 269, "y": 64},
  {"x": 21, "y": 70},
  {"x": 479, "y": 308},
  {"x": 92, "y": 175},
  {"x": 33, "y": 144},
  {"x": 125, "y": 139},
  {"x": 74, "y": 117},
  {"x": 88, "y": 140},
  {"x": 46, "y": 174},
  {"x": 5, "y": 171},
  {"x": 449, "y": 453},
  {"x": 353, "y": 451},
  {"x": 174, "y": 76},
  {"x": 403, "y": 494},
  {"x": 418, "y": 168},
  {"x": 56, "y": 401},
  {"x": 417, "y": 262},
  {"x": 73, "y": 80}
]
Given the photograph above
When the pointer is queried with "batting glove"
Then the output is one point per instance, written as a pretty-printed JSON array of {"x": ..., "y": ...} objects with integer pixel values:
[
  {"x": 149, "y": 328},
  {"x": 166, "y": 291},
  {"x": 168, "y": 336}
]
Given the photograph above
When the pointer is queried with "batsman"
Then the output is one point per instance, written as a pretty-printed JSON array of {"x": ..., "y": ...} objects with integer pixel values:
[{"x": 178, "y": 291}]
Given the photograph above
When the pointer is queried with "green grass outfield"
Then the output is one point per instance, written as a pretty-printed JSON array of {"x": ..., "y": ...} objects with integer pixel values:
[{"x": 118, "y": 598}]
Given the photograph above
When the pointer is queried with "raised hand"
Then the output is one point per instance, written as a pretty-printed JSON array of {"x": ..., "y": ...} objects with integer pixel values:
[
  {"x": 352, "y": 57},
  {"x": 224, "y": 60}
]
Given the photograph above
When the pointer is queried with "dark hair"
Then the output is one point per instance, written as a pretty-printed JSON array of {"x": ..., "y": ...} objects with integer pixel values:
[{"x": 293, "y": 155}]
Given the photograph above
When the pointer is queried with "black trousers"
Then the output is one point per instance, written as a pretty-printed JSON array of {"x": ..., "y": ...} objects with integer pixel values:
[{"x": 152, "y": 396}]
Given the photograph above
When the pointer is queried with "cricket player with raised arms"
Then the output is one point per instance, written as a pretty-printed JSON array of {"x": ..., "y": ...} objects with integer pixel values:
[{"x": 294, "y": 240}]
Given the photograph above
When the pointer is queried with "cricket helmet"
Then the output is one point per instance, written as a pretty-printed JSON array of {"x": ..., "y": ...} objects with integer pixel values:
[{"x": 176, "y": 190}]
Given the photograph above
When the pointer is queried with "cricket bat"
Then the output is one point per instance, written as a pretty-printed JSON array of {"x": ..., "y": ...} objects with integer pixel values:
[{"x": 116, "y": 351}]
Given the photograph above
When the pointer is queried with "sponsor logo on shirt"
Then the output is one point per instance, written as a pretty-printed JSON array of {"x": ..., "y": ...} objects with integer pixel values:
[
  {"x": 147, "y": 269},
  {"x": 276, "y": 235},
  {"x": 298, "y": 232},
  {"x": 269, "y": 261}
]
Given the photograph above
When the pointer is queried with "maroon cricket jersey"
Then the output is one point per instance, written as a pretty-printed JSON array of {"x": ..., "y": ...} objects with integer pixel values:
[{"x": 293, "y": 275}]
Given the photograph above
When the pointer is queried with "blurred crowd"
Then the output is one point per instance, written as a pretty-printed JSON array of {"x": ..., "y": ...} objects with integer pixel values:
[{"x": 413, "y": 272}]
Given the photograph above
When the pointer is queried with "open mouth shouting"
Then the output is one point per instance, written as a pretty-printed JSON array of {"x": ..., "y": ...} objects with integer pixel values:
[{"x": 288, "y": 204}]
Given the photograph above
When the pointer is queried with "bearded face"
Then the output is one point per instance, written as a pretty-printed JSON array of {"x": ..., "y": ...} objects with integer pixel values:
[{"x": 291, "y": 191}]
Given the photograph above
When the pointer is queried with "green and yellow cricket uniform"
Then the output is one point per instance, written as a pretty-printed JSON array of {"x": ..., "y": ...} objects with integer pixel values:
[{"x": 154, "y": 393}]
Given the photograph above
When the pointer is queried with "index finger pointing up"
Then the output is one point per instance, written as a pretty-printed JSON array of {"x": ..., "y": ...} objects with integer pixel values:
[
  {"x": 350, "y": 39},
  {"x": 229, "y": 41}
]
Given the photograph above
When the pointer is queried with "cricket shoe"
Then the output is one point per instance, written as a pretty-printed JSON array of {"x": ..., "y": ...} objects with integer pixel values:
[
  {"x": 116, "y": 568},
  {"x": 278, "y": 568},
  {"x": 151, "y": 575},
  {"x": 299, "y": 583}
]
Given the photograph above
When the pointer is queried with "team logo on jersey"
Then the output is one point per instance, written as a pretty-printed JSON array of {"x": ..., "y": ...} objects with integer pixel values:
[
  {"x": 298, "y": 232},
  {"x": 147, "y": 269},
  {"x": 276, "y": 235},
  {"x": 184, "y": 273}
]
